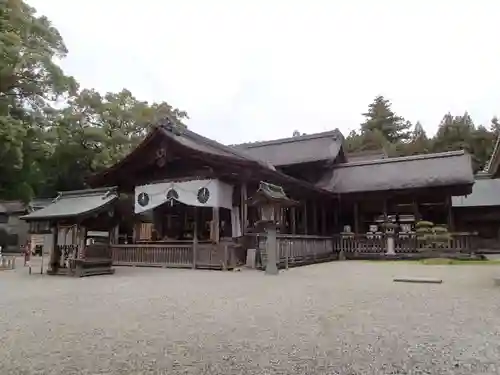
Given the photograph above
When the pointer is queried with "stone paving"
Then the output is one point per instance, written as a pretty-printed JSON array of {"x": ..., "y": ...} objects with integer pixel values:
[{"x": 333, "y": 318}]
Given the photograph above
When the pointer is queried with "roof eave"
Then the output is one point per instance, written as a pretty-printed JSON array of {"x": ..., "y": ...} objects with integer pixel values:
[{"x": 82, "y": 214}]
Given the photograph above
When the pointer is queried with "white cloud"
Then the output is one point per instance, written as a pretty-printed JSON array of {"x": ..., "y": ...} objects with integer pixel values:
[{"x": 260, "y": 69}]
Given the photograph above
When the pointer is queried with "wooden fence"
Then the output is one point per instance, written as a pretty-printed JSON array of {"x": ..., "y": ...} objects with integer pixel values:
[
  {"x": 294, "y": 250},
  {"x": 366, "y": 246},
  {"x": 175, "y": 255}
]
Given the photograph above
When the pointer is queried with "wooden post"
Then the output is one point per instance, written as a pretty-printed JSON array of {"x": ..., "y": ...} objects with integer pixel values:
[
  {"x": 226, "y": 258},
  {"x": 416, "y": 213},
  {"x": 293, "y": 213},
  {"x": 304, "y": 219},
  {"x": 451, "y": 222},
  {"x": 315, "y": 218},
  {"x": 356, "y": 218},
  {"x": 53, "y": 254},
  {"x": 384, "y": 203},
  {"x": 195, "y": 237},
  {"x": 244, "y": 208},
  {"x": 323, "y": 220},
  {"x": 336, "y": 213},
  {"x": 113, "y": 235},
  {"x": 216, "y": 223}
]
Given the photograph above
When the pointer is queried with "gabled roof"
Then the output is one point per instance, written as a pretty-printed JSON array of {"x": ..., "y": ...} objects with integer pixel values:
[
  {"x": 308, "y": 148},
  {"x": 485, "y": 192},
  {"x": 208, "y": 149},
  {"x": 420, "y": 171},
  {"x": 271, "y": 194},
  {"x": 196, "y": 141},
  {"x": 77, "y": 203}
]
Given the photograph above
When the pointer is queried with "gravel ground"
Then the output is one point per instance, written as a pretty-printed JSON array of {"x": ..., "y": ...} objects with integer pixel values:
[{"x": 333, "y": 318}]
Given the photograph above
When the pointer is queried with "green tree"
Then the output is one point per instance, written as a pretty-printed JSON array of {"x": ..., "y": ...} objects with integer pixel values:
[
  {"x": 419, "y": 143},
  {"x": 380, "y": 118},
  {"x": 495, "y": 126},
  {"x": 29, "y": 81},
  {"x": 95, "y": 131},
  {"x": 460, "y": 133}
]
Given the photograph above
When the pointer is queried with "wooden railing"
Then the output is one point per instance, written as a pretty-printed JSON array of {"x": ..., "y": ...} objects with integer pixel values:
[
  {"x": 297, "y": 249},
  {"x": 377, "y": 244},
  {"x": 183, "y": 255}
]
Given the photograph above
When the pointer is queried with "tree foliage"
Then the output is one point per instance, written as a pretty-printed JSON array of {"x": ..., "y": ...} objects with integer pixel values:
[
  {"x": 44, "y": 147},
  {"x": 387, "y": 131}
]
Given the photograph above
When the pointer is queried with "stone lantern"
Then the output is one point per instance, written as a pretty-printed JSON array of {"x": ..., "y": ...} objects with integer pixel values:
[{"x": 270, "y": 199}]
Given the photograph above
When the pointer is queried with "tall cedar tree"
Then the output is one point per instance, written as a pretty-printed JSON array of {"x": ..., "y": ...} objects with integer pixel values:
[{"x": 381, "y": 118}]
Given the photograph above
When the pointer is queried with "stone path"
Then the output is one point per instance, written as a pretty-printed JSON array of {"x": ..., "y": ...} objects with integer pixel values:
[{"x": 333, "y": 318}]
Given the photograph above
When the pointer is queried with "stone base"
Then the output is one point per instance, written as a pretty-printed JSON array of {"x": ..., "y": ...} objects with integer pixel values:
[{"x": 251, "y": 258}]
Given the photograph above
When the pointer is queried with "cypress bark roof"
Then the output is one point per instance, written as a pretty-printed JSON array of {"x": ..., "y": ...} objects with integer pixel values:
[
  {"x": 324, "y": 146},
  {"x": 485, "y": 192},
  {"x": 237, "y": 159},
  {"x": 75, "y": 203},
  {"x": 420, "y": 171}
]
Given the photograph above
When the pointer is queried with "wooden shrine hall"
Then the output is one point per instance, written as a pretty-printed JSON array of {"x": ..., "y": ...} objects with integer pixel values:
[{"x": 183, "y": 199}]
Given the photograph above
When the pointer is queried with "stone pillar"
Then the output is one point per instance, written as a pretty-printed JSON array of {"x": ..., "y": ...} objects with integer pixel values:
[
  {"x": 271, "y": 250},
  {"x": 390, "y": 244}
]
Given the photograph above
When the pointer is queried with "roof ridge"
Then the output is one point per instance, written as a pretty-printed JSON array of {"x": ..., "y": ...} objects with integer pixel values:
[
  {"x": 436, "y": 155},
  {"x": 335, "y": 132},
  {"x": 86, "y": 192},
  {"x": 239, "y": 153}
]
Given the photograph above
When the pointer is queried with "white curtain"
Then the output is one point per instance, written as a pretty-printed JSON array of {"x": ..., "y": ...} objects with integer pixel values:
[{"x": 200, "y": 193}]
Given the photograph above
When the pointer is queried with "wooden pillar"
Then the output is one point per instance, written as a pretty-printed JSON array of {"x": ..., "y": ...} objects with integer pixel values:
[
  {"x": 54, "y": 259},
  {"x": 195, "y": 236},
  {"x": 323, "y": 220},
  {"x": 336, "y": 214},
  {"x": 244, "y": 208},
  {"x": 293, "y": 213},
  {"x": 114, "y": 234},
  {"x": 315, "y": 218},
  {"x": 215, "y": 224},
  {"x": 304, "y": 219},
  {"x": 416, "y": 213},
  {"x": 384, "y": 202},
  {"x": 451, "y": 221},
  {"x": 356, "y": 218}
]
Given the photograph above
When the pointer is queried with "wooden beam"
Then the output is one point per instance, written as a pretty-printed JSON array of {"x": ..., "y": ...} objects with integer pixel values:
[{"x": 293, "y": 213}]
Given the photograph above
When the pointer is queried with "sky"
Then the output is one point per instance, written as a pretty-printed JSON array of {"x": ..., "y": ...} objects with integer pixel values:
[{"x": 260, "y": 69}]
